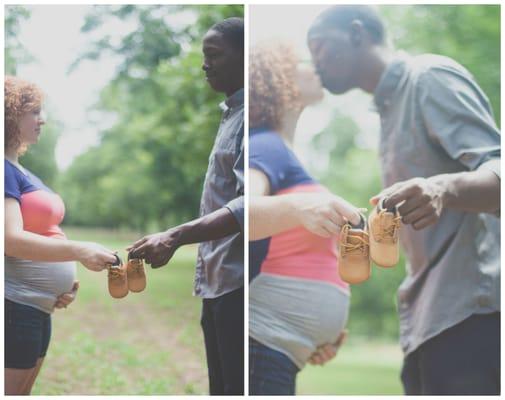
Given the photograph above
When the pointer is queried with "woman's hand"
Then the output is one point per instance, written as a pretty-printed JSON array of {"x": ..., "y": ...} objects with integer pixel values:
[
  {"x": 94, "y": 256},
  {"x": 328, "y": 351},
  {"x": 66, "y": 298},
  {"x": 324, "y": 213}
]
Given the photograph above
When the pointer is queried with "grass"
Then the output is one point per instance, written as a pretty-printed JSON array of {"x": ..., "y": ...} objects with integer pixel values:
[
  {"x": 150, "y": 343},
  {"x": 146, "y": 343},
  {"x": 360, "y": 368}
]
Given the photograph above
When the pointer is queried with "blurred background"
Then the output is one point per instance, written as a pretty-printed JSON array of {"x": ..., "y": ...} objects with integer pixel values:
[
  {"x": 125, "y": 101},
  {"x": 337, "y": 140}
]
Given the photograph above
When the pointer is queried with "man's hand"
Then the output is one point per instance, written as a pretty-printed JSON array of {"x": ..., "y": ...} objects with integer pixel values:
[
  {"x": 326, "y": 352},
  {"x": 420, "y": 200},
  {"x": 156, "y": 249},
  {"x": 66, "y": 298}
]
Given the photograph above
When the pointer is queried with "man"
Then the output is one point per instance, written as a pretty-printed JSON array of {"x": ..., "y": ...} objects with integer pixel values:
[
  {"x": 219, "y": 276},
  {"x": 440, "y": 155}
]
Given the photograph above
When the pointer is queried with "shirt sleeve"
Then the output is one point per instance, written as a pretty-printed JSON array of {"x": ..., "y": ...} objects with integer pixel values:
[
  {"x": 12, "y": 187},
  {"x": 493, "y": 165},
  {"x": 268, "y": 155},
  {"x": 459, "y": 118},
  {"x": 236, "y": 206}
]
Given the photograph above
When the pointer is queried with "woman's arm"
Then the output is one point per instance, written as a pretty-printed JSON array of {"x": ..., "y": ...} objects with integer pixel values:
[
  {"x": 30, "y": 246},
  {"x": 320, "y": 213}
]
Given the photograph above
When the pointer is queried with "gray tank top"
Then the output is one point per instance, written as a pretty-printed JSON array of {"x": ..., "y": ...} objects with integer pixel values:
[
  {"x": 37, "y": 284},
  {"x": 294, "y": 316}
]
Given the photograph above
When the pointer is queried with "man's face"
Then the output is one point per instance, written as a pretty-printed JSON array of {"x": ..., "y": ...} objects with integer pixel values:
[
  {"x": 223, "y": 65},
  {"x": 334, "y": 58}
]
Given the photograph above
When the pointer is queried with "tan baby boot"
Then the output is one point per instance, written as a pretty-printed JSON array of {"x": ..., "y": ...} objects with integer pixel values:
[
  {"x": 384, "y": 226},
  {"x": 354, "y": 265},
  {"x": 118, "y": 286},
  {"x": 136, "y": 274}
]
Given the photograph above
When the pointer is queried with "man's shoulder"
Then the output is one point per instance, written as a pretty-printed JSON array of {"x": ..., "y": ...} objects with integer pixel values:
[{"x": 425, "y": 65}]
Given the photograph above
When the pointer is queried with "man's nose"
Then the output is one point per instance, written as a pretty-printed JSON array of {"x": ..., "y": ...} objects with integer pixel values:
[{"x": 205, "y": 66}]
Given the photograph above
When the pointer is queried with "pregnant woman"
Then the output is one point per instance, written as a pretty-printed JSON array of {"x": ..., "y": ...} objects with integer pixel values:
[
  {"x": 39, "y": 260},
  {"x": 297, "y": 301}
]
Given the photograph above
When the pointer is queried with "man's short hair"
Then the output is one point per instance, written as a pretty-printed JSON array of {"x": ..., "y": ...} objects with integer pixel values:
[
  {"x": 232, "y": 30},
  {"x": 341, "y": 17}
]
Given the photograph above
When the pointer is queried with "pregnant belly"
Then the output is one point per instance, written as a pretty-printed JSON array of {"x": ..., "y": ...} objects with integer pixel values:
[
  {"x": 53, "y": 278},
  {"x": 304, "y": 312}
]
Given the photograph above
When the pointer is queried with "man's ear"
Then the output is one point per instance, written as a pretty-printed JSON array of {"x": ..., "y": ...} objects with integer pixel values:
[{"x": 356, "y": 32}]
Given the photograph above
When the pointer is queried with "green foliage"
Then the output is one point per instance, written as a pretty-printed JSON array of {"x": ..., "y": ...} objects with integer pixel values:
[
  {"x": 14, "y": 53},
  {"x": 40, "y": 158},
  {"x": 148, "y": 171},
  {"x": 470, "y": 34}
]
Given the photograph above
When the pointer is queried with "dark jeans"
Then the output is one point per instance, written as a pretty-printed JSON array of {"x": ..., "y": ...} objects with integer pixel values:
[
  {"x": 270, "y": 371},
  {"x": 462, "y": 360},
  {"x": 27, "y": 335},
  {"x": 223, "y": 329}
]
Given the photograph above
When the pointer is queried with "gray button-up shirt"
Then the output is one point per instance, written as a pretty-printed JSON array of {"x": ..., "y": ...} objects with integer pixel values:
[
  {"x": 220, "y": 265},
  {"x": 436, "y": 120}
]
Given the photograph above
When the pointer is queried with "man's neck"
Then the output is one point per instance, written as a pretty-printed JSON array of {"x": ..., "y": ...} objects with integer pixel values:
[
  {"x": 230, "y": 92},
  {"x": 373, "y": 68}
]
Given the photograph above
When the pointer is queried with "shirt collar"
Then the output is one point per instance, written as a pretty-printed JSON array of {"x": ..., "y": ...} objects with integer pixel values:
[
  {"x": 390, "y": 80},
  {"x": 236, "y": 99}
]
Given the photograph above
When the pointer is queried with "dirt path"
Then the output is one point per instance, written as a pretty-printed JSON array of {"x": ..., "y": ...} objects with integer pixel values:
[{"x": 123, "y": 347}]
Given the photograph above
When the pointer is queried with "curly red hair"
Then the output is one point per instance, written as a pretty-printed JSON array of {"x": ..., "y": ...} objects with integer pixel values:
[
  {"x": 20, "y": 97},
  {"x": 272, "y": 87}
]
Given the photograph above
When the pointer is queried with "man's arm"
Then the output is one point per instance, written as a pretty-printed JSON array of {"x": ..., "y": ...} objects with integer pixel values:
[
  {"x": 459, "y": 121},
  {"x": 213, "y": 226},
  {"x": 423, "y": 199},
  {"x": 157, "y": 249},
  {"x": 475, "y": 191}
]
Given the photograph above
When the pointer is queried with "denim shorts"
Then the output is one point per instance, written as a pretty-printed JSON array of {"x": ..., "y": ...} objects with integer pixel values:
[{"x": 27, "y": 335}]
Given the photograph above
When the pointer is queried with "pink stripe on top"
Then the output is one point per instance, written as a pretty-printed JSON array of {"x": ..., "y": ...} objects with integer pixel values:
[
  {"x": 42, "y": 213},
  {"x": 302, "y": 254}
]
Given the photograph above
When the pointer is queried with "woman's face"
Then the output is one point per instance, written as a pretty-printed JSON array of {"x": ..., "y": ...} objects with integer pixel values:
[
  {"x": 29, "y": 126},
  {"x": 309, "y": 84}
]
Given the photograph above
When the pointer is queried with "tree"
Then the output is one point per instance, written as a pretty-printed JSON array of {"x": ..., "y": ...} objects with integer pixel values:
[
  {"x": 151, "y": 164},
  {"x": 445, "y": 30},
  {"x": 40, "y": 159},
  {"x": 14, "y": 53}
]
